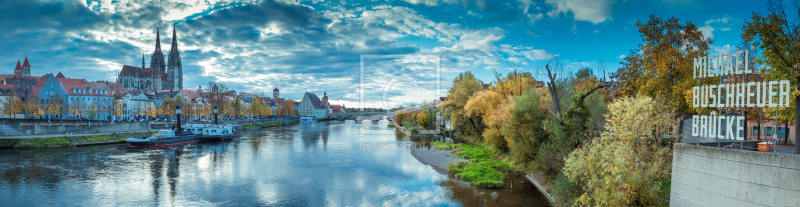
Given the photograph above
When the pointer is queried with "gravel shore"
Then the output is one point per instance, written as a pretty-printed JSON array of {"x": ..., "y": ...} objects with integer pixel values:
[{"x": 436, "y": 158}]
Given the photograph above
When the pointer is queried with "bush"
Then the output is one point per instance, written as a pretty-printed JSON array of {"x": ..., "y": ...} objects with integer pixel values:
[
  {"x": 424, "y": 119},
  {"x": 622, "y": 167},
  {"x": 525, "y": 131}
]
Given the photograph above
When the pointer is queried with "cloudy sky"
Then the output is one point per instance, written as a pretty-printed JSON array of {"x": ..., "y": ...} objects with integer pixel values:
[{"x": 319, "y": 46}]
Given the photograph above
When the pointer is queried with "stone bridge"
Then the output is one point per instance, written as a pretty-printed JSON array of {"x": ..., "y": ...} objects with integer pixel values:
[{"x": 364, "y": 115}]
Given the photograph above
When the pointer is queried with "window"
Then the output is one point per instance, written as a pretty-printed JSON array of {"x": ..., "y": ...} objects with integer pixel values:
[
  {"x": 51, "y": 85},
  {"x": 767, "y": 131},
  {"x": 781, "y": 131}
]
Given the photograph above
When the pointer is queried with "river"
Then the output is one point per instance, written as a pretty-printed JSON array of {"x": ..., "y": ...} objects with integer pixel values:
[{"x": 320, "y": 164}]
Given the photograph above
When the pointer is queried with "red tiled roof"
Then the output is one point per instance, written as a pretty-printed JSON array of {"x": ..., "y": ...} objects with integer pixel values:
[
  {"x": 19, "y": 67},
  {"x": 7, "y": 87},
  {"x": 70, "y": 84},
  {"x": 26, "y": 64},
  {"x": 39, "y": 85},
  {"x": 60, "y": 75},
  {"x": 336, "y": 107}
]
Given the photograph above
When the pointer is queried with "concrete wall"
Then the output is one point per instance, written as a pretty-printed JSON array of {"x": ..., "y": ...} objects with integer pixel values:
[
  {"x": 33, "y": 127},
  {"x": 91, "y": 127},
  {"x": 707, "y": 176}
]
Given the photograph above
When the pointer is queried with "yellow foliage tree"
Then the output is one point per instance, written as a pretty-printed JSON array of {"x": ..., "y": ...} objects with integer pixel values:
[
  {"x": 664, "y": 67},
  {"x": 621, "y": 167},
  {"x": 12, "y": 106},
  {"x": 288, "y": 107}
]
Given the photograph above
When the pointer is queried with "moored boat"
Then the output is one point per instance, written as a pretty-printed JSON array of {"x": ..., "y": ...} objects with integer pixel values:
[
  {"x": 217, "y": 133},
  {"x": 308, "y": 119}
]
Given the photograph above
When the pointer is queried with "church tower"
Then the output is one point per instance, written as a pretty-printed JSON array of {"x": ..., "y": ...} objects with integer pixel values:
[
  {"x": 174, "y": 67},
  {"x": 26, "y": 67},
  {"x": 275, "y": 94},
  {"x": 157, "y": 58}
]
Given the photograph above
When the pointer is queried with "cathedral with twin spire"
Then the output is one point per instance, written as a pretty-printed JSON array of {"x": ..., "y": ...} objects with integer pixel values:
[{"x": 161, "y": 75}]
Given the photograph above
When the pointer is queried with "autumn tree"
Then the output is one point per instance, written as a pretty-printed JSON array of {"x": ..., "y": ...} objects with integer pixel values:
[
  {"x": 662, "y": 66},
  {"x": 236, "y": 106},
  {"x": 76, "y": 107},
  {"x": 464, "y": 86},
  {"x": 12, "y": 106},
  {"x": 524, "y": 130},
  {"x": 621, "y": 167},
  {"x": 34, "y": 107},
  {"x": 777, "y": 34},
  {"x": 217, "y": 96},
  {"x": 54, "y": 107},
  {"x": 288, "y": 107}
]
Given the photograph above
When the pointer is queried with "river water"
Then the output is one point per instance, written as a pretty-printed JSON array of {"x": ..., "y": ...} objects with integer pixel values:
[{"x": 320, "y": 164}]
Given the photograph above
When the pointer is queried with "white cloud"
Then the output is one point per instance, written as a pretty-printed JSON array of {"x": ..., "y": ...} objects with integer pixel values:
[
  {"x": 623, "y": 56},
  {"x": 723, "y": 49},
  {"x": 708, "y": 31},
  {"x": 594, "y": 11},
  {"x": 426, "y": 2}
]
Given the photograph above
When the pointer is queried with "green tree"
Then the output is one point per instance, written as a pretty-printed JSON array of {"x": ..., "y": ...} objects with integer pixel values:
[
  {"x": 525, "y": 130},
  {"x": 664, "y": 68},
  {"x": 778, "y": 36}
]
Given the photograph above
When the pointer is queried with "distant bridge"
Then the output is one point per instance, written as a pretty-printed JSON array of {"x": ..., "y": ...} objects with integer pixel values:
[{"x": 365, "y": 115}]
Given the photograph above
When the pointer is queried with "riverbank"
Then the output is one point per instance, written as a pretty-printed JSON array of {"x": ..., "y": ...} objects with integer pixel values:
[
  {"x": 65, "y": 141},
  {"x": 438, "y": 159}
]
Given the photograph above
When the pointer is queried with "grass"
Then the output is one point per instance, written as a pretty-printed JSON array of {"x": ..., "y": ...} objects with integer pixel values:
[
  {"x": 482, "y": 169},
  {"x": 112, "y": 137},
  {"x": 45, "y": 142},
  {"x": 443, "y": 145},
  {"x": 251, "y": 126},
  {"x": 390, "y": 125},
  {"x": 271, "y": 124},
  {"x": 666, "y": 186}
]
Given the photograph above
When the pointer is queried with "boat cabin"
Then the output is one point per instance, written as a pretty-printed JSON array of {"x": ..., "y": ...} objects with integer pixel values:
[
  {"x": 164, "y": 134},
  {"x": 217, "y": 130}
]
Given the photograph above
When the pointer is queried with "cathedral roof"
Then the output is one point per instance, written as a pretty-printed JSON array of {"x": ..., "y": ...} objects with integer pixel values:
[
  {"x": 26, "y": 64},
  {"x": 128, "y": 70},
  {"x": 276, "y": 89},
  {"x": 19, "y": 67}
]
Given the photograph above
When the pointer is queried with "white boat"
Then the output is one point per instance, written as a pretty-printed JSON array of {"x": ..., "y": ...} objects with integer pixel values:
[
  {"x": 218, "y": 132},
  {"x": 308, "y": 119}
]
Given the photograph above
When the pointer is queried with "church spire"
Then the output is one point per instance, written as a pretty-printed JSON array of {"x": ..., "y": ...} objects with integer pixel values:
[
  {"x": 158, "y": 40},
  {"x": 157, "y": 62},
  {"x": 174, "y": 66},
  {"x": 142, "y": 60}
]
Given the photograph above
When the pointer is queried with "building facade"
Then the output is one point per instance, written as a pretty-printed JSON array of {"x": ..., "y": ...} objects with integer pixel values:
[{"x": 311, "y": 106}]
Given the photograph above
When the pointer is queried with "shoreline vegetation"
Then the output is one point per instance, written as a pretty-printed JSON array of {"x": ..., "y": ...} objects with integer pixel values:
[
  {"x": 483, "y": 168},
  {"x": 70, "y": 141}
]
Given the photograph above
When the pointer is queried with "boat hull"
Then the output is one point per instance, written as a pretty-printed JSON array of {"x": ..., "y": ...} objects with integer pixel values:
[
  {"x": 164, "y": 142},
  {"x": 220, "y": 137}
]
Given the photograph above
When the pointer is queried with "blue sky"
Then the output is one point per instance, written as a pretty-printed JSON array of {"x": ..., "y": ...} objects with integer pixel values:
[{"x": 314, "y": 46}]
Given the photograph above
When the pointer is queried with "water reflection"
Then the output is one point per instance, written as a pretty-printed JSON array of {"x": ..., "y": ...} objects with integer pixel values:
[{"x": 317, "y": 164}]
